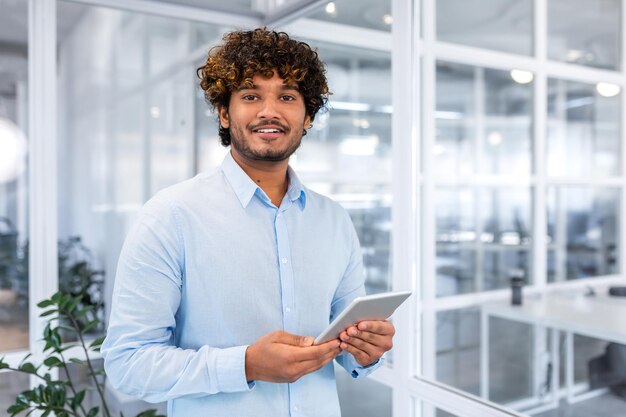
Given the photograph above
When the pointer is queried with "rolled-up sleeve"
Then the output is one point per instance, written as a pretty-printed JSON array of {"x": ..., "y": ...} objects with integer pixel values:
[{"x": 139, "y": 353}]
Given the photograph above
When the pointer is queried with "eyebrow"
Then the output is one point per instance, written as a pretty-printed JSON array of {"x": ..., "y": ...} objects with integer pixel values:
[{"x": 255, "y": 87}]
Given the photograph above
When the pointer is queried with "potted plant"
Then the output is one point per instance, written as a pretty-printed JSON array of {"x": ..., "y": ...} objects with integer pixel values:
[
  {"x": 78, "y": 276},
  {"x": 61, "y": 396}
]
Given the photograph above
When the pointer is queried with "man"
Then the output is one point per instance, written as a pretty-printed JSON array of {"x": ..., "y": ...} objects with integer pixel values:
[{"x": 226, "y": 278}]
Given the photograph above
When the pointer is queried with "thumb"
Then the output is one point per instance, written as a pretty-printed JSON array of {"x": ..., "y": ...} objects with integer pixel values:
[
  {"x": 306, "y": 341},
  {"x": 296, "y": 340}
]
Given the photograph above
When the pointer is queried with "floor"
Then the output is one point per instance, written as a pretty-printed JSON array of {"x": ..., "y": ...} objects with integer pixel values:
[
  {"x": 13, "y": 327},
  {"x": 362, "y": 397},
  {"x": 366, "y": 398},
  {"x": 607, "y": 405}
]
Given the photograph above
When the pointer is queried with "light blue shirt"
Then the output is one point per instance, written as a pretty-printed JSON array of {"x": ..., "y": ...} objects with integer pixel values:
[{"x": 210, "y": 266}]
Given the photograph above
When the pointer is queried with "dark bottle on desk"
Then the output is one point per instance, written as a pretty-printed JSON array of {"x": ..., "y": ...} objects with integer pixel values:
[{"x": 517, "y": 282}]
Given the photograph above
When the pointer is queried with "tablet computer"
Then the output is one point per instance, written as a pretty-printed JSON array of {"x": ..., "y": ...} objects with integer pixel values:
[{"x": 369, "y": 307}]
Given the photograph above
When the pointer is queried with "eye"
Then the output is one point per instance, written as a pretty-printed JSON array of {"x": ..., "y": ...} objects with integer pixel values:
[
  {"x": 249, "y": 97},
  {"x": 287, "y": 97}
]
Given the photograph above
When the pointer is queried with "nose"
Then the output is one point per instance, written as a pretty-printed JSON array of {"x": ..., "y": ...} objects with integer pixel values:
[{"x": 269, "y": 109}]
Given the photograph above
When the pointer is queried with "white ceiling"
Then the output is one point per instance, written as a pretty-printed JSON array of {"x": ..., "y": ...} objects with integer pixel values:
[{"x": 484, "y": 22}]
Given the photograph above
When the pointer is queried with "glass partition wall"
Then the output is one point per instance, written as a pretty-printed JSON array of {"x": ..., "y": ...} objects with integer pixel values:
[
  {"x": 507, "y": 161},
  {"x": 14, "y": 323},
  {"x": 521, "y": 151}
]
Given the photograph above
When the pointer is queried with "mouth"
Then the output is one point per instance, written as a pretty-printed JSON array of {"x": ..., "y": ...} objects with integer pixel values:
[{"x": 269, "y": 132}]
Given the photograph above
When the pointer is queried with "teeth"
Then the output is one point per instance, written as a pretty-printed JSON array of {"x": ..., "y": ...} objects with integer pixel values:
[{"x": 268, "y": 131}]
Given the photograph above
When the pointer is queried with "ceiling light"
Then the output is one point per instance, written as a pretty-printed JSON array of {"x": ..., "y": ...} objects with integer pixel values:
[
  {"x": 12, "y": 151},
  {"x": 331, "y": 8},
  {"x": 362, "y": 123},
  {"x": 522, "y": 77},
  {"x": 439, "y": 150},
  {"x": 494, "y": 138},
  {"x": 574, "y": 55},
  {"x": 359, "y": 145},
  {"x": 387, "y": 19},
  {"x": 608, "y": 89}
]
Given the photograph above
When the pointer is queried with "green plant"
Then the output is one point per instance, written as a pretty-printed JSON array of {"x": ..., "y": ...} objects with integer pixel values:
[
  {"x": 62, "y": 397},
  {"x": 77, "y": 277},
  {"x": 8, "y": 253}
]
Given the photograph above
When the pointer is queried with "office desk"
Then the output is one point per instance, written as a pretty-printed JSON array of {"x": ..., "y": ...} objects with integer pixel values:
[{"x": 600, "y": 316}]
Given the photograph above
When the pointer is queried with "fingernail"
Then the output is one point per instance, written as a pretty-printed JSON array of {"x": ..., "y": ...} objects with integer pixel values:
[{"x": 364, "y": 326}]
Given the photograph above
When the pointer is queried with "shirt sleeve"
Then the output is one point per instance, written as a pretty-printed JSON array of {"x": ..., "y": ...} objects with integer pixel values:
[
  {"x": 350, "y": 287},
  {"x": 140, "y": 356}
]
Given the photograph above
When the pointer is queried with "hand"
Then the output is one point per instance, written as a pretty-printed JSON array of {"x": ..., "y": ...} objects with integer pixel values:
[
  {"x": 285, "y": 357},
  {"x": 368, "y": 340}
]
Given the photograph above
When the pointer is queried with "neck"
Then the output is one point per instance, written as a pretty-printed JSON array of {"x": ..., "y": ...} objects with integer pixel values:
[{"x": 270, "y": 176}]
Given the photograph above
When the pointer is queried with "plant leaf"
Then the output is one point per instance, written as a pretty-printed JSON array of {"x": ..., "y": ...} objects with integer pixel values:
[
  {"x": 28, "y": 367},
  {"x": 16, "y": 408},
  {"x": 149, "y": 413},
  {"x": 73, "y": 304},
  {"x": 91, "y": 325},
  {"x": 45, "y": 303},
  {"x": 24, "y": 359},
  {"x": 97, "y": 342},
  {"x": 48, "y": 312},
  {"x": 78, "y": 399},
  {"x": 83, "y": 311},
  {"x": 93, "y": 412},
  {"x": 56, "y": 297},
  {"x": 52, "y": 361}
]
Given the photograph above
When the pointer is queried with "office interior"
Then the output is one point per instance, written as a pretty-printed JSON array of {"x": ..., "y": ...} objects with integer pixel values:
[{"x": 475, "y": 144}]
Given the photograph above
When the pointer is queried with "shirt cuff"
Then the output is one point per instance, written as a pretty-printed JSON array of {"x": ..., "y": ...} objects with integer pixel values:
[
  {"x": 361, "y": 371},
  {"x": 231, "y": 370}
]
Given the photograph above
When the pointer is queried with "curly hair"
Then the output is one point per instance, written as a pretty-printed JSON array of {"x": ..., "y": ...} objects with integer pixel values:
[{"x": 245, "y": 54}]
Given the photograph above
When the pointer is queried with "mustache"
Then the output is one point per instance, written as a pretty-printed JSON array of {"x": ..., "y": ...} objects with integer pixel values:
[{"x": 263, "y": 123}]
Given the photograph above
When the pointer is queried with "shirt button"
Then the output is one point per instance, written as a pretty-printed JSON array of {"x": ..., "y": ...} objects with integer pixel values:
[{"x": 284, "y": 260}]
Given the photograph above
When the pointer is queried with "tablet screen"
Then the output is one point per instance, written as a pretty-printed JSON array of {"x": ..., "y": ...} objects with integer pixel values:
[{"x": 370, "y": 307}]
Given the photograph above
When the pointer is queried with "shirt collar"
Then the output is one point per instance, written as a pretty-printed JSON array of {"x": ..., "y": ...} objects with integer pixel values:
[
  {"x": 245, "y": 188},
  {"x": 296, "y": 190}
]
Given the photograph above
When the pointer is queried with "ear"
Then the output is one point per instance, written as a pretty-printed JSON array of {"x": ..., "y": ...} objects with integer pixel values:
[
  {"x": 307, "y": 122},
  {"x": 222, "y": 112}
]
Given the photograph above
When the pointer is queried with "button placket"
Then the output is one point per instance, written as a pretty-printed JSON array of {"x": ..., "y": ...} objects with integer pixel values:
[{"x": 285, "y": 271}]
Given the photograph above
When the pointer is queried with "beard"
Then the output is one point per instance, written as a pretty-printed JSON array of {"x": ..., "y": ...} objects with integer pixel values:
[{"x": 241, "y": 144}]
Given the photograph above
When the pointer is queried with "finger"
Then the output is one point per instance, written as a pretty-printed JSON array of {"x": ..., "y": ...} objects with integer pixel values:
[
  {"x": 306, "y": 367},
  {"x": 380, "y": 341},
  {"x": 371, "y": 349},
  {"x": 292, "y": 339},
  {"x": 308, "y": 353},
  {"x": 300, "y": 367},
  {"x": 383, "y": 327},
  {"x": 314, "y": 365},
  {"x": 361, "y": 356}
]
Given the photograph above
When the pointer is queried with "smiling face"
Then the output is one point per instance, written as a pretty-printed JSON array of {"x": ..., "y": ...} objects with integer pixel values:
[{"x": 266, "y": 120}]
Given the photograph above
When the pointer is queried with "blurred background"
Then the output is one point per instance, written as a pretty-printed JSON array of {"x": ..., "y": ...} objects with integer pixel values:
[{"x": 509, "y": 125}]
